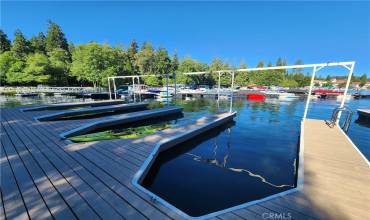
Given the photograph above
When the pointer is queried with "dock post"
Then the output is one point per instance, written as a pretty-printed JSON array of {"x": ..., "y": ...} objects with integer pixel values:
[
  {"x": 110, "y": 93},
  {"x": 218, "y": 91},
  {"x": 174, "y": 81},
  {"x": 133, "y": 88},
  {"x": 346, "y": 90},
  {"x": 309, "y": 93},
  {"x": 115, "y": 89},
  {"x": 232, "y": 91}
]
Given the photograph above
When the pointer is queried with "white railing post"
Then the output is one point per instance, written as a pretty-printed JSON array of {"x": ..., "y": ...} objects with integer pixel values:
[
  {"x": 110, "y": 93},
  {"x": 345, "y": 91},
  {"x": 115, "y": 89},
  {"x": 232, "y": 91},
  {"x": 309, "y": 93},
  {"x": 133, "y": 88},
  {"x": 218, "y": 90}
]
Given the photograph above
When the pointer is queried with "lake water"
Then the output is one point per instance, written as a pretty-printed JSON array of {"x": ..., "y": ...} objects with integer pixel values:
[{"x": 249, "y": 159}]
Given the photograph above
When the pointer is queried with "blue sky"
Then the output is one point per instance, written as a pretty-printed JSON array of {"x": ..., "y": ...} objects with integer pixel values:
[{"x": 234, "y": 31}]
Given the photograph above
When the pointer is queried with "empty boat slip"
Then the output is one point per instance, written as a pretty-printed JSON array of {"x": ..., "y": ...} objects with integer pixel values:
[
  {"x": 73, "y": 105},
  {"x": 122, "y": 119},
  {"x": 93, "y": 110}
]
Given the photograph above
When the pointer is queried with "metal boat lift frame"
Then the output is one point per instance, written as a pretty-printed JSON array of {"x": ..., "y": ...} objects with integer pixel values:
[
  {"x": 133, "y": 77},
  {"x": 315, "y": 68}
]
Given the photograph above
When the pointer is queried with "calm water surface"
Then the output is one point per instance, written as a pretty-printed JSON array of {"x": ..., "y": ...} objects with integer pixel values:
[{"x": 251, "y": 158}]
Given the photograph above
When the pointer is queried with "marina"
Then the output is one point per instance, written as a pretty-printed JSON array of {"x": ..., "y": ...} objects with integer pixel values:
[
  {"x": 93, "y": 179},
  {"x": 184, "y": 110},
  {"x": 148, "y": 164}
]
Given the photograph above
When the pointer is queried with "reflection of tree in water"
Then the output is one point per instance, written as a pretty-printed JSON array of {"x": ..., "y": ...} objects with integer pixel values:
[
  {"x": 291, "y": 107},
  {"x": 223, "y": 164},
  {"x": 272, "y": 108}
]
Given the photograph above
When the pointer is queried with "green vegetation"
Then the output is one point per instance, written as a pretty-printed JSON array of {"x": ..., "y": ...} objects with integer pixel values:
[
  {"x": 123, "y": 134},
  {"x": 155, "y": 104},
  {"x": 50, "y": 59}
]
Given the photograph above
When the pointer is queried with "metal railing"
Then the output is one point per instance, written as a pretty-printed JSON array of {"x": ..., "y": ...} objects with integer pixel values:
[{"x": 336, "y": 116}]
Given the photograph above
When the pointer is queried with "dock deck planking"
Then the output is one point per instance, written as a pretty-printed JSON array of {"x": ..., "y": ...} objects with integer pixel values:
[
  {"x": 54, "y": 139},
  {"x": 50, "y": 195},
  {"x": 60, "y": 106},
  {"x": 106, "y": 168},
  {"x": 92, "y": 110}
]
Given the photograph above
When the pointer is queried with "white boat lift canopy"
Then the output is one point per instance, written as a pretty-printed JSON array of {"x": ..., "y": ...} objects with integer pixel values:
[{"x": 315, "y": 68}]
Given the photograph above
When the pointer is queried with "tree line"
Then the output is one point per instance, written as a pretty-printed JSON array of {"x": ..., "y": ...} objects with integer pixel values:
[{"x": 50, "y": 60}]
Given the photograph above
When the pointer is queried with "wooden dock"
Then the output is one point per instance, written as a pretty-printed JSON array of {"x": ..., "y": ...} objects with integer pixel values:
[
  {"x": 45, "y": 177},
  {"x": 92, "y": 110},
  {"x": 72, "y": 105},
  {"x": 122, "y": 119}
]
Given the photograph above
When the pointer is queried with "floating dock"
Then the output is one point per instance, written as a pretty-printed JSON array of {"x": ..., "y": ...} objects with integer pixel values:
[
  {"x": 92, "y": 110},
  {"x": 364, "y": 113},
  {"x": 45, "y": 177},
  {"x": 122, "y": 119},
  {"x": 72, "y": 105}
]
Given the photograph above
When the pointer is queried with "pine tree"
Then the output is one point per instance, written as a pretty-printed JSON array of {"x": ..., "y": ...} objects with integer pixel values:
[
  {"x": 131, "y": 55},
  {"x": 5, "y": 43},
  {"x": 260, "y": 64},
  {"x": 243, "y": 65},
  {"x": 363, "y": 80},
  {"x": 55, "y": 38},
  {"x": 20, "y": 45},
  {"x": 280, "y": 62},
  {"x": 133, "y": 49},
  {"x": 269, "y": 64},
  {"x": 174, "y": 62},
  {"x": 38, "y": 43},
  {"x": 298, "y": 62}
]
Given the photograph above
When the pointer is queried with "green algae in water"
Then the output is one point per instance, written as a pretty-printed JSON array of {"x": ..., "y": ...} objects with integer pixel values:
[{"x": 122, "y": 134}]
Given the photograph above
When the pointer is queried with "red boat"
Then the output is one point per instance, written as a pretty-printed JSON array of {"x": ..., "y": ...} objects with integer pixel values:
[
  {"x": 326, "y": 92},
  {"x": 256, "y": 96}
]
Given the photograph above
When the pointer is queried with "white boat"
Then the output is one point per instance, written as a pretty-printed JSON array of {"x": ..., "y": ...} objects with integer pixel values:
[
  {"x": 281, "y": 95},
  {"x": 287, "y": 96},
  {"x": 340, "y": 97},
  {"x": 164, "y": 96}
]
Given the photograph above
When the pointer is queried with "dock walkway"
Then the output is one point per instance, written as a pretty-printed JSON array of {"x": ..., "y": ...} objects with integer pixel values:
[
  {"x": 45, "y": 177},
  {"x": 92, "y": 110},
  {"x": 122, "y": 119},
  {"x": 60, "y": 106}
]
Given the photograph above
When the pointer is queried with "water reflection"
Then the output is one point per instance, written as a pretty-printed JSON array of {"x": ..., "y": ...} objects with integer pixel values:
[
  {"x": 362, "y": 121},
  {"x": 223, "y": 163}
]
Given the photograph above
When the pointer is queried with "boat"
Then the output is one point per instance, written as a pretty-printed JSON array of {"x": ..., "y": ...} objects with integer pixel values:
[
  {"x": 256, "y": 96},
  {"x": 27, "y": 94},
  {"x": 340, "y": 97},
  {"x": 281, "y": 95},
  {"x": 164, "y": 96},
  {"x": 287, "y": 96}
]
